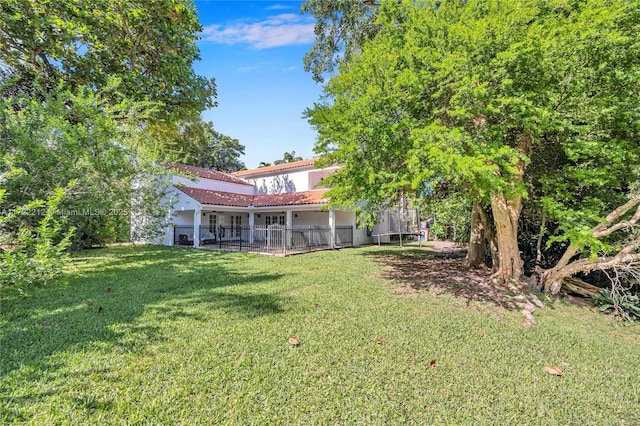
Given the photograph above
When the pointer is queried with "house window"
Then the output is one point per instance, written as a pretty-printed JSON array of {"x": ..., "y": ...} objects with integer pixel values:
[
  {"x": 276, "y": 219},
  {"x": 212, "y": 223},
  {"x": 238, "y": 221}
]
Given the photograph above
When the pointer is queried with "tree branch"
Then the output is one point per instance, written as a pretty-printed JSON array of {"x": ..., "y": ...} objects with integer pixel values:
[
  {"x": 625, "y": 256},
  {"x": 604, "y": 228}
]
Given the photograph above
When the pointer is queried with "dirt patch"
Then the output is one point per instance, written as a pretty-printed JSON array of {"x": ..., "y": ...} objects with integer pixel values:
[{"x": 440, "y": 268}]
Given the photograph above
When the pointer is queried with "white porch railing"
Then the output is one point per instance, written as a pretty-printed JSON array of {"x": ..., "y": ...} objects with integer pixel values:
[{"x": 267, "y": 239}]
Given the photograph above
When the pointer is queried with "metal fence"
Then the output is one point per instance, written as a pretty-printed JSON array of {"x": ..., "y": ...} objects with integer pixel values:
[
  {"x": 265, "y": 239},
  {"x": 183, "y": 235},
  {"x": 344, "y": 236}
]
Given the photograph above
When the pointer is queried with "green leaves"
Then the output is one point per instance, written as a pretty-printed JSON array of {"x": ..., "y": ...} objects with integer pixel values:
[
  {"x": 532, "y": 100},
  {"x": 71, "y": 143},
  {"x": 195, "y": 142},
  {"x": 149, "y": 46},
  {"x": 35, "y": 258}
]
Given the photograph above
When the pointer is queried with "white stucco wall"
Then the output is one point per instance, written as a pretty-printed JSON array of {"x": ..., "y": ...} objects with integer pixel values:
[
  {"x": 182, "y": 218},
  {"x": 345, "y": 218},
  {"x": 167, "y": 237},
  {"x": 214, "y": 185},
  {"x": 283, "y": 182},
  {"x": 383, "y": 227},
  {"x": 288, "y": 181},
  {"x": 181, "y": 201},
  {"x": 360, "y": 237},
  {"x": 182, "y": 214},
  {"x": 311, "y": 218}
]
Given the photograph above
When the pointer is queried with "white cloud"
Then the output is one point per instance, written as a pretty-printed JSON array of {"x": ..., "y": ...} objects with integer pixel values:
[
  {"x": 278, "y": 7},
  {"x": 246, "y": 69},
  {"x": 275, "y": 31}
]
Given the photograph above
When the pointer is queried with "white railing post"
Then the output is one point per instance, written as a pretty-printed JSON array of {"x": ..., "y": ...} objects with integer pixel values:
[
  {"x": 332, "y": 226},
  {"x": 289, "y": 226},
  {"x": 251, "y": 224},
  {"x": 197, "y": 220}
]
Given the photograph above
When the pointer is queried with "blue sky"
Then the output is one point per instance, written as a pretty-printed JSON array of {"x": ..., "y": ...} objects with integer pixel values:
[{"x": 254, "y": 50}]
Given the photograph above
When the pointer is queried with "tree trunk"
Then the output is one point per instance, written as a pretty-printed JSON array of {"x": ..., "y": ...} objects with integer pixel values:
[
  {"x": 551, "y": 279},
  {"x": 474, "y": 254},
  {"x": 506, "y": 214},
  {"x": 490, "y": 236},
  {"x": 481, "y": 230}
]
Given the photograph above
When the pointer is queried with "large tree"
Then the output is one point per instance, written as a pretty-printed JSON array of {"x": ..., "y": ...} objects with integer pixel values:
[
  {"x": 148, "y": 47},
  {"x": 77, "y": 145},
  {"x": 288, "y": 157},
  {"x": 529, "y": 106},
  {"x": 89, "y": 92},
  {"x": 199, "y": 144},
  {"x": 341, "y": 29}
]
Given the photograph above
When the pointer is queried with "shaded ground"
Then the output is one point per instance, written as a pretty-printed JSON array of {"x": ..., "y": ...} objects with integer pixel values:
[{"x": 439, "y": 267}]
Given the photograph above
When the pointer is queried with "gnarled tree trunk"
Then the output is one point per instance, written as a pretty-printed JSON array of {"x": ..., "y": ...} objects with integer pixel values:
[
  {"x": 481, "y": 230},
  {"x": 475, "y": 252},
  {"x": 506, "y": 213},
  {"x": 490, "y": 236}
]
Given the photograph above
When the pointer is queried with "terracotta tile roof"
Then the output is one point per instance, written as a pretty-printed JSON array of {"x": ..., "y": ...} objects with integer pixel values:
[
  {"x": 207, "y": 173},
  {"x": 218, "y": 198},
  {"x": 291, "y": 198},
  {"x": 222, "y": 198},
  {"x": 276, "y": 168}
]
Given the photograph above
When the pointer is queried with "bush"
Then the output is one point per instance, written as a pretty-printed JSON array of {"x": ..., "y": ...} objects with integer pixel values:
[
  {"x": 35, "y": 257},
  {"x": 624, "y": 303}
]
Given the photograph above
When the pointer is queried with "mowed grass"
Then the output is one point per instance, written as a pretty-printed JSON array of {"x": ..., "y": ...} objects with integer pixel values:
[{"x": 152, "y": 335}]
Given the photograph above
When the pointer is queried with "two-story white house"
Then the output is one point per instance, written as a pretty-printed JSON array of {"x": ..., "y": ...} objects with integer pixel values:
[{"x": 277, "y": 209}]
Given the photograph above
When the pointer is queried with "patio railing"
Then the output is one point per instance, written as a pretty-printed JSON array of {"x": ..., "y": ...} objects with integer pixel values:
[
  {"x": 266, "y": 239},
  {"x": 182, "y": 235}
]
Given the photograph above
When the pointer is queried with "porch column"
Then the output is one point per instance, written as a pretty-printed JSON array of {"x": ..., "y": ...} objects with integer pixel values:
[
  {"x": 332, "y": 226},
  {"x": 354, "y": 229},
  {"x": 251, "y": 222},
  {"x": 170, "y": 230},
  {"x": 197, "y": 220},
  {"x": 289, "y": 226}
]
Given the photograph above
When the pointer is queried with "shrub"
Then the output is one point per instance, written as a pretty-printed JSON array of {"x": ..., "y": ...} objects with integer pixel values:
[
  {"x": 623, "y": 302},
  {"x": 35, "y": 257}
]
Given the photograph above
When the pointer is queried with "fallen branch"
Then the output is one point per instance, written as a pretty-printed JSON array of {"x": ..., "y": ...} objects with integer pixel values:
[{"x": 577, "y": 286}]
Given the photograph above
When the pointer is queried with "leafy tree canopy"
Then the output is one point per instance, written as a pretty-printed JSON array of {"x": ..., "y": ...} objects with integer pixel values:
[
  {"x": 342, "y": 27},
  {"x": 528, "y": 103},
  {"x": 92, "y": 95},
  {"x": 202, "y": 146},
  {"x": 149, "y": 47},
  {"x": 75, "y": 145}
]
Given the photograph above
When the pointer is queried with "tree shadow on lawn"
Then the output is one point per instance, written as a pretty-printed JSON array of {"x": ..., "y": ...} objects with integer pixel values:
[
  {"x": 103, "y": 306},
  {"x": 428, "y": 271}
]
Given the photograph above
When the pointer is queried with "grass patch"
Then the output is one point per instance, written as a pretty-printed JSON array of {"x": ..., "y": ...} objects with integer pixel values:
[{"x": 177, "y": 336}]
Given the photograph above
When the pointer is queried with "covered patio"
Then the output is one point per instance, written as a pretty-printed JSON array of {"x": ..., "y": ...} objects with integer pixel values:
[
  {"x": 274, "y": 239},
  {"x": 284, "y": 223}
]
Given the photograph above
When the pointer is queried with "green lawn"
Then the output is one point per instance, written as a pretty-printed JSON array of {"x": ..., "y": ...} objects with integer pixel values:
[{"x": 180, "y": 336}]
